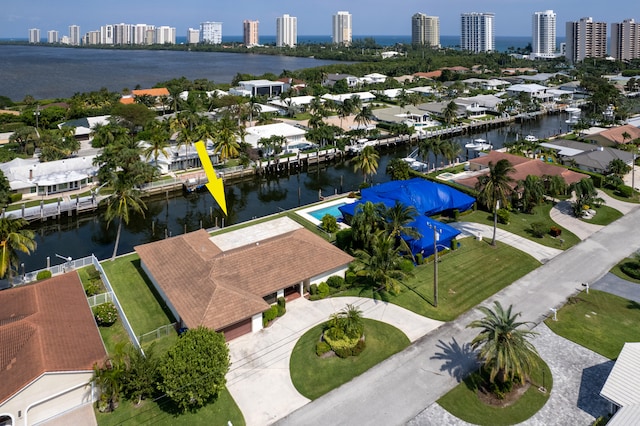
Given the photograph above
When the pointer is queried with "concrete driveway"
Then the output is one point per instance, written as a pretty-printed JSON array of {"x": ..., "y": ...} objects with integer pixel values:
[{"x": 259, "y": 378}]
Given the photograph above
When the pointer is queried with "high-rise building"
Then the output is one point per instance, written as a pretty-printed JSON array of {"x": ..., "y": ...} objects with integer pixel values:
[
  {"x": 139, "y": 34},
  {"x": 543, "y": 29},
  {"x": 286, "y": 31},
  {"x": 625, "y": 40},
  {"x": 164, "y": 35},
  {"x": 586, "y": 39},
  {"x": 193, "y": 36},
  {"x": 34, "y": 35},
  {"x": 53, "y": 36},
  {"x": 250, "y": 32},
  {"x": 106, "y": 34},
  {"x": 211, "y": 32},
  {"x": 91, "y": 38},
  {"x": 342, "y": 30},
  {"x": 122, "y": 34},
  {"x": 425, "y": 30},
  {"x": 477, "y": 33},
  {"x": 74, "y": 35}
]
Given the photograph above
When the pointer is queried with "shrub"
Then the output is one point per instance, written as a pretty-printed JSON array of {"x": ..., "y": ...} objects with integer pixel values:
[
  {"x": 329, "y": 223},
  {"x": 105, "y": 314},
  {"x": 14, "y": 198},
  {"x": 406, "y": 265},
  {"x": 281, "y": 306},
  {"x": 92, "y": 288},
  {"x": 419, "y": 259},
  {"x": 313, "y": 289},
  {"x": 43, "y": 275},
  {"x": 555, "y": 231},
  {"x": 343, "y": 239},
  {"x": 282, "y": 302},
  {"x": 335, "y": 281},
  {"x": 503, "y": 216},
  {"x": 538, "y": 229},
  {"x": 632, "y": 269},
  {"x": 625, "y": 191},
  {"x": 270, "y": 314},
  {"x": 322, "y": 348},
  {"x": 350, "y": 277},
  {"x": 456, "y": 214},
  {"x": 358, "y": 348},
  {"x": 323, "y": 290}
]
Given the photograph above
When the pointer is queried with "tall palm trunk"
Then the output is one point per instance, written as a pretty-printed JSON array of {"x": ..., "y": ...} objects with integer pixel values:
[
  {"x": 115, "y": 248},
  {"x": 495, "y": 223}
]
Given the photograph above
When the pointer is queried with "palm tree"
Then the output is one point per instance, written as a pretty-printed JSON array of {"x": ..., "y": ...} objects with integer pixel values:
[
  {"x": 381, "y": 263},
  {"x": 494, "y": 188},
  {"x": 366, "y": 221},
  {"x": 532, "y": 192},
  {"x": 450, "y": 150},
  {"x": 225, "y": 139},
  {"x": 397, "y": 219},
  {"x": 364, "y": 116},
  {"x": 158, "y": 143},
  {"x": 425, "y": 147},
  {"x": 504, "y": 348},
  {"x": 14, "y": 238},
  {"x": 124, "y": 200},
  {"x": 367, "y": 161},
  {"x": 555, "y": 185},
  {"x": 450, "y": 112}
]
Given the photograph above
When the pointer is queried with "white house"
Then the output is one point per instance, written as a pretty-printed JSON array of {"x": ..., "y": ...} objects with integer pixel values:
[
  {"x": 293, "y": 135},
  {"x": 30, "y": 176},
  {"x": 364, "y": 97},
  {"x": 266, "y": 88},
  {"x": 533, "y": 90},
  {"x": 373, "y": 78},
  {"x": 84, "y": 126}
]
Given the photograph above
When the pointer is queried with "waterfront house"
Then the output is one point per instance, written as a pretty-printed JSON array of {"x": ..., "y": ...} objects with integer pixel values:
[
  {"x": 158, "y": 95},
  {"x": 226, "y": 282},
  {"x": 352, "y": 81},
  {"x": 249, "y": 88},
  {"x": 292, "y": 134},
  {"x": 615, "y": 136},
  {"x": 30, "y": 176},
  {"x": 84, "y": 126},
  {"x": 364, "y": 97},
  {"x": 587, "y": 156},
  {"x": 50, "y": 343},
  {"x": 534, "y": 91}
]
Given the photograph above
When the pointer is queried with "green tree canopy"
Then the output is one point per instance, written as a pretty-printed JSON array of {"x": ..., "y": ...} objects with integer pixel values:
[
  {"x": 193, "y": 371},
  {"x": 495, "y": 187}
]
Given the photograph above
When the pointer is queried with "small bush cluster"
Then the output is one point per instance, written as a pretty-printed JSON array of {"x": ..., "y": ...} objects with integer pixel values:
[
  {"x": 406, "y": 266},
  {"x": 503, "y": 216},
  {"x": 554, "y": 231},
  {"x": 539, "y": 229},
  {"x": 343, "y": 239},
  {"x": 43, "y": 275},
  {"x": 419, "y": 259},
  {"x": 281, "y": 306},
  {"x": 335, "y": 281},
  {"x": 632, "y": 269},
  {"x": 501, "y": 390},
  {"x": 93, "y": 285},
  {"x": 322, "y": 348},
  {"x": 625, "y": 191},
  {"x": 105, "y": 314},
  {"x": 313, "y": 289},
  {"x": 269, "y": 315},
  {"x": 329, "y": 223},
  {"x": 14, "y": 198}
]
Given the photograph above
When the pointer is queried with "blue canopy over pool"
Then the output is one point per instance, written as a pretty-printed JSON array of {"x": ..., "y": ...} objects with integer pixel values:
[{"x": 427, "y": 197}]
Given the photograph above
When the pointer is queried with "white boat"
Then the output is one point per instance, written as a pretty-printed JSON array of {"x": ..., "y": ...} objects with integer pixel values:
[
  {"x": 415, "y": 164},
  {"x": 479, "y": 145},
  {"x": 531, "y": 138}
]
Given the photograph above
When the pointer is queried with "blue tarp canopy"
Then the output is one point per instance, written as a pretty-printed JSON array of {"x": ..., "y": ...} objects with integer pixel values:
[
  {"x": 427, "y": 197},
  {"x": 424, "y": 225}
]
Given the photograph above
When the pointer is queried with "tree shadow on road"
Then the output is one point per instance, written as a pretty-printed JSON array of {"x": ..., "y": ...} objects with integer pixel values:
[
  {"x": 589, "y": 399},
  {"x": 458, "y": 359}
]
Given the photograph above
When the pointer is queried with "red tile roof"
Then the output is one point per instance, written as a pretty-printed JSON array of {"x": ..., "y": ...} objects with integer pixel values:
[
  {"x": 431, "y": 74},
  {"x": 524, "y": 167},
  {"x": 615, "y": 133},
  {"x": 209, "y": 287},
  {"x": 46, "y": 327},
  {"x": 158, "y": 91}
]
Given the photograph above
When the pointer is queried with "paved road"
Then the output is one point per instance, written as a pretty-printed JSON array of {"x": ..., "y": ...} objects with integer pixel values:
[{"x": 396, "y": 390}]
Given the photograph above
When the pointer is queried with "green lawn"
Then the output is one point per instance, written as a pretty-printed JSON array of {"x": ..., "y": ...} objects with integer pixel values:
[
  {"x": 614, "y": 194},
  {"x": 219, "y": 413},
  {"x": 466, "y": 277},
  {"x": 520, "y": 224},
  {"x": 604, "y": 216},
  {"x": 113, "y": 335},
  {"x": 618, "y": 272},
  {"x": 598, "y": 321},
  {"x": 463, "y": 402},
  {"x": 144, "y": 308},
  {"x": 314, "y": 376}
]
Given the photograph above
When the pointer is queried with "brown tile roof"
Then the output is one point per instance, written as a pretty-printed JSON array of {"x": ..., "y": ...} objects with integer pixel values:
[
  {"x": 431, "y": 74},
  {"x": 524, "y": 167},
  {"x": 46, "y": 327},
  {"x": 615, "y": 133},
  {"x": 216, "y": 289}
]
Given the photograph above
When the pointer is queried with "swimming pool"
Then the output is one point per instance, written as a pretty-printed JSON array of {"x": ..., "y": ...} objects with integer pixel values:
[{"x": 332, "y": 210}]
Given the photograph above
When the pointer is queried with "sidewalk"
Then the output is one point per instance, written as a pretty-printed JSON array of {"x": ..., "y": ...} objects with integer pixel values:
[
  {"x": 542, "y": 253},
  {"x": 259, "y": 378}
]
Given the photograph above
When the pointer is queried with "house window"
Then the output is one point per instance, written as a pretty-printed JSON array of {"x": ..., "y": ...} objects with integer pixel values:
[{"x": 271, "y": 299}]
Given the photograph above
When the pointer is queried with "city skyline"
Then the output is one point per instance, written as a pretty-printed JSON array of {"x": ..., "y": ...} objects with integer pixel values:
[{"x": 512, "y": 17}]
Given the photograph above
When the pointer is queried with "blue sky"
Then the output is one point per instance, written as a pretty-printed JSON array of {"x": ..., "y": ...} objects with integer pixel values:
[{"x": 370, "y": 17}]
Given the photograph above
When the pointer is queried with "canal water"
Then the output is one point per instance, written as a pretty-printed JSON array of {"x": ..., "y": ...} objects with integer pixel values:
[{"x": 172, "y": 214}]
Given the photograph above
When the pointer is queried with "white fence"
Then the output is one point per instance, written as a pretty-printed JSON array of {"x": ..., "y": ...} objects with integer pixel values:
[
  {"x": 159, "y": 332},
  {"x": 99, "y": 299}
]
